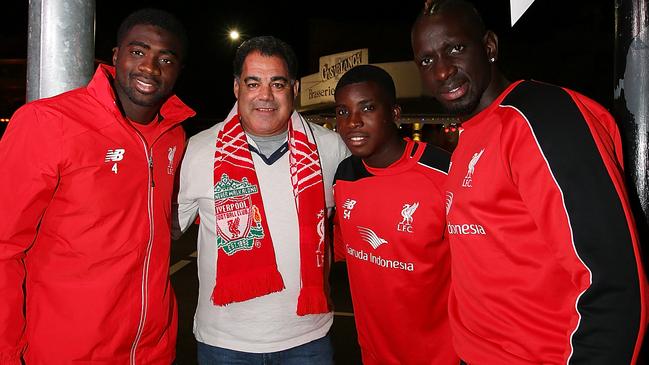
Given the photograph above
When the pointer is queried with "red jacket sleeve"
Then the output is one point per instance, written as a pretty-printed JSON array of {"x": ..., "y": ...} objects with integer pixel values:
[
  {"x": 565, "y": 166},
  {"x": 29, "y": 151},
  {"x": 339, "y": 246}
]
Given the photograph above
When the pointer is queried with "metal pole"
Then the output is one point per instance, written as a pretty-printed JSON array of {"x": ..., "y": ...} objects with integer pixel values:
[
  {"x": 60, "y": 46},
  {"x": 631, "y": 96},
  {"x": 631, "y": 109}
]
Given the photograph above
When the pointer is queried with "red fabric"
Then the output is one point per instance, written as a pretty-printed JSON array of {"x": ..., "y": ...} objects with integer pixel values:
[
  {"x": 528, "y": 278},
  {"x": 82, "y": 232},
  {"x": 246, "y": 263},
  {"x": 400, "y": 288},
  {"x": 338, "y": 247},
  {"x": 149, "y": 131}
]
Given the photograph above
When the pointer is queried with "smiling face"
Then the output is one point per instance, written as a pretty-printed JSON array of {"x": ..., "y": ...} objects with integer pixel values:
[
  {"x": 265, "y": 94},
  {"x": 453, "y": 58},
  {"x": 365, "y": 120},
  {"x": 147, "y": 65}
]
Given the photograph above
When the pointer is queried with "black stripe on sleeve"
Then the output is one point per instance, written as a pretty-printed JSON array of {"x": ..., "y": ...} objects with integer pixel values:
[
  {"x": 436, "y": 158},
  {"x": 351, "y": 169},
  {"x": 610, "y": 308}
]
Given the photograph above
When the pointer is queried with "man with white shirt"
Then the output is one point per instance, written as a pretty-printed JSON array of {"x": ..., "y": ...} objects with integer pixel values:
[{"x": 261, "y": 183}]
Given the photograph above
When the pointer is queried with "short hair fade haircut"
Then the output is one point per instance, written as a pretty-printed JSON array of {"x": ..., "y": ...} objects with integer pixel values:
[
  {"x": 156, "y": 17},
  {"x": 369, "y": 73},
  {"x": 267, "y": 46}
]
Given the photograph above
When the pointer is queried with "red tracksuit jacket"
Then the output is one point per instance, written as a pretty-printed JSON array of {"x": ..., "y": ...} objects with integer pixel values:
[
  {"x": 545, "y": 259},
  {"x": 85, "y": 211}
]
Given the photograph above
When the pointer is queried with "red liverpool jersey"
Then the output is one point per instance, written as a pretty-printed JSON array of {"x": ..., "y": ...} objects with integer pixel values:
[
  {"x": 546, "y": 268},
  {"x": 391, "y": 230}
]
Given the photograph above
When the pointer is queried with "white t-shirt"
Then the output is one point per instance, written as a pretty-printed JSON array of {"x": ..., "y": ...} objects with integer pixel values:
[{"x": 268, "y": 323}]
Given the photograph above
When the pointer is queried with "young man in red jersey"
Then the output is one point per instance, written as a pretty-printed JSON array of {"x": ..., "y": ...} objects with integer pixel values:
[
  {"x": 546, "y": 266},
  {"x": 390, "y": 225}
]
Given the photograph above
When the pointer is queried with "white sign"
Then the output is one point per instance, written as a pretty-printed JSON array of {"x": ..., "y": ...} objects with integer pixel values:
[
  {"x": 315, "y": 91},
  {"x": 319, "y": 88},
  {"x": 335, "y": 65},
  {"x": 518, "y": 7}
]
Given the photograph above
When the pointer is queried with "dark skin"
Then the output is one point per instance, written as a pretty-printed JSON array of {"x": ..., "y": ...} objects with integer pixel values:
[
  {"x": 147, "y": 64},
  {"x": 365, "y": 119},
  {"x": 457, "y": 62}
]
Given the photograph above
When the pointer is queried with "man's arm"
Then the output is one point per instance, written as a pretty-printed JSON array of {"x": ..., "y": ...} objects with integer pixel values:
[
  {"x": 570, "y": 184},
  {"x": 339, "y": 250},
  {"x": 29, "y": 151},
  {"x": 185, "y": 209},
  {"x": 338, "y": 244}
]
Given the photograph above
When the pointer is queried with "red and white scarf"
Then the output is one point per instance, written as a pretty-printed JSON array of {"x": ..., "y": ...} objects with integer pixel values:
[{"x": 246, "y": 258}]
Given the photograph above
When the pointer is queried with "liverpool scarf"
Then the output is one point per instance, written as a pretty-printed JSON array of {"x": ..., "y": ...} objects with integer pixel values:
[{"x": 246, "y": 258}]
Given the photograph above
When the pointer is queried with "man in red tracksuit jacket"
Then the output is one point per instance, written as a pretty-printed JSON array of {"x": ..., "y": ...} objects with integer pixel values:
[
  {"x": 545, "y": 260},
  {"x": 87, "y": 179}
]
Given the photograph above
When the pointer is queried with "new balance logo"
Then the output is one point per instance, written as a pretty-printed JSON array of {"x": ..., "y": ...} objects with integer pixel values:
[
  {"x": 347, "y": 208},
  {"x": 349, "y": 204},
  {"x": 115, "y": 155},
  {"x": 370, "y": 237}
]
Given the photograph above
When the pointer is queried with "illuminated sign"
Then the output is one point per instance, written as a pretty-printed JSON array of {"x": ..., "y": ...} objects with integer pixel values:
[
  {"x": 335, "y": 65},
  {"x": 319, "y": 88}
]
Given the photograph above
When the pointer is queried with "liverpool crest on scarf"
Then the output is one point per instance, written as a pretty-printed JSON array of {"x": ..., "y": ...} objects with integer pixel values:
[{"x": 238, "y": 222}]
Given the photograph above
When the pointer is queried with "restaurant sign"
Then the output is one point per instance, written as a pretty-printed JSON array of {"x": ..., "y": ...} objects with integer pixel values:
[{"x": 319, "y": 88}]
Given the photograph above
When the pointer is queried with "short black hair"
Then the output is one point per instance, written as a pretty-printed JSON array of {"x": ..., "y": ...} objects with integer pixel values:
[
  {"x": 434, "y": 7},
  {"x": 267, "y": 46},
  {"x": 369, "y": 73},
  {"x": 156, "y": 17}
]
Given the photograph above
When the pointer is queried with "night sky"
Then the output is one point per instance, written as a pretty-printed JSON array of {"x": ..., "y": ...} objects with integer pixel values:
[{"x": 570, "y": 45}]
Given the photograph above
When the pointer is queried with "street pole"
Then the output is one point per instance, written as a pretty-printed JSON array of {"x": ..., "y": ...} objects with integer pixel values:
[
  {"x": 60, "y": 46},
  {"x": 631, "y": 109}
]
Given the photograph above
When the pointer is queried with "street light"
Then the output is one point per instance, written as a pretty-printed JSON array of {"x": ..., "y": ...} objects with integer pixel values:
[{"x": 234, "y": 35}]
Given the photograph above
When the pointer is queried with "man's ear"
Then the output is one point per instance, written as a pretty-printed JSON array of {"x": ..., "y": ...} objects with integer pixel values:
[
  {"x": 115, "y": 51},
  {"x": 236, "y": 88},
  {"x": 396, "y": 113},
  {"x": 490, "y": 41},
  {"x": 296, "y": 88}
]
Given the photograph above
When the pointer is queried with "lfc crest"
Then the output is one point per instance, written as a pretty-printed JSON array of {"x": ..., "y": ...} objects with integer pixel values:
[{"x": 238, "y": 222}]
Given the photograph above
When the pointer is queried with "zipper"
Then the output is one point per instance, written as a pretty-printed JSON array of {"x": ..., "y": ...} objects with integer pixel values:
[
  {"x": 147, "y": 257},
  {"x": 151, "y": 168}
]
